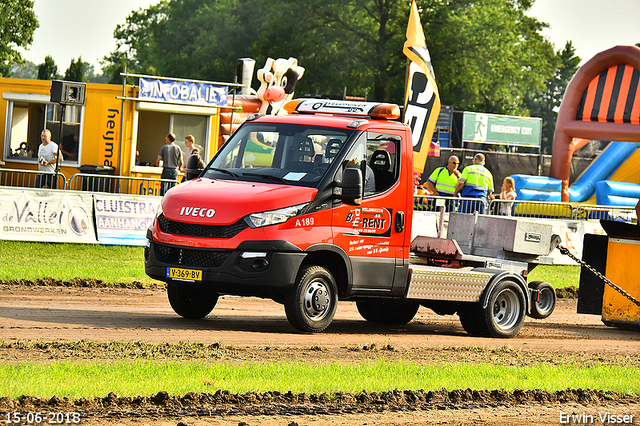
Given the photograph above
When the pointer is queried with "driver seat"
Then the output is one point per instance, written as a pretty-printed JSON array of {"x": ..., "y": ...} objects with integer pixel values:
[{"x": 381, "y": 166}]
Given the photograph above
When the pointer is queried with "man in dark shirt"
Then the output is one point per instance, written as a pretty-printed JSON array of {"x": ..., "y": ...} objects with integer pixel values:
[{"x": 170, "y": 159}]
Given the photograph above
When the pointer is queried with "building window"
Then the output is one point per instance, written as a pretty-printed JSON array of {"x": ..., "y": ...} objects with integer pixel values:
[
  {"x": 28, "y": 116},
  {"x": 154, "y": 122}
]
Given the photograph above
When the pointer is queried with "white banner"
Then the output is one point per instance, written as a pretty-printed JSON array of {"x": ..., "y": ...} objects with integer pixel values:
[
  {"x": 182, "y": 91},
  {"x": 46, "y": 215},
  {"x": 123, "y": 220}
]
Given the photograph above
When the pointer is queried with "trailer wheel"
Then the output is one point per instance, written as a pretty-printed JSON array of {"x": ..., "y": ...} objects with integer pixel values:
[
  {"x": 505, "y": 310},
  {"x": 311, "y": 304},
  {"x": 546, "y": 303},
  {"x": 191, "y": 302}
]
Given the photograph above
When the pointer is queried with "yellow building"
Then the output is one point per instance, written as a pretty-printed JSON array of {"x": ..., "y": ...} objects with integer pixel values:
[{"x": 122, "y": 127}]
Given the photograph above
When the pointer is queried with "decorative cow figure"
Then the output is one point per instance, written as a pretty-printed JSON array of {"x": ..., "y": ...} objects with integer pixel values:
[{"x": 278, "y": 80}]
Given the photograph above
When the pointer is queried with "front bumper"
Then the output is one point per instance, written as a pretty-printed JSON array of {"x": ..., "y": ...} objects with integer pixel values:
[{"x": 254, "y": 268}]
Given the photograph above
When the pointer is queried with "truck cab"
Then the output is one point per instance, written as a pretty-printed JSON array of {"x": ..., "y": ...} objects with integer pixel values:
[{"x": 306, "y": 209}]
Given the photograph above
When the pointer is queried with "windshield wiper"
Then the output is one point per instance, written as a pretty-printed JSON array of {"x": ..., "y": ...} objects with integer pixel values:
[
  {"x": 262, "y": 175},
  {"x": 223, "y": 171}
]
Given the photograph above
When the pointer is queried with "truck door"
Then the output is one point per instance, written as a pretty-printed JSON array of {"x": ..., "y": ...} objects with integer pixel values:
[{"x": 367, "y": 232}]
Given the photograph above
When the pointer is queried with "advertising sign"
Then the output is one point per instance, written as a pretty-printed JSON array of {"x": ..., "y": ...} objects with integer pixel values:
[
  {"x": 123, "y": 220},
  {"x": 109, "y": 143},
  {"x": 51, "y": 216},
  {"x": 501, "y": 129},
  {"x": 184, "y": 92}
]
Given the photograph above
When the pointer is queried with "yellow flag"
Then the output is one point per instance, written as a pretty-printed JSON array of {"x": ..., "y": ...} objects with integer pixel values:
[{"x": 421, "y": 98}]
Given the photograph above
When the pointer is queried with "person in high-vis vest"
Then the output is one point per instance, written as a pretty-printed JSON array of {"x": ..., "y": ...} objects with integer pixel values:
[
  {"x": 443, "y": 181},
  {"x": 476, "y": 181}
]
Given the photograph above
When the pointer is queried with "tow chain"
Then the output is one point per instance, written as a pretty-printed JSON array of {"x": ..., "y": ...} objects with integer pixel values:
[{"x": 607, "y": 281}]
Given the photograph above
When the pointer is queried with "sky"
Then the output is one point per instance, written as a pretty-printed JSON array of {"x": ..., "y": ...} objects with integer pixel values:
[{"x": 70, "y": 29}]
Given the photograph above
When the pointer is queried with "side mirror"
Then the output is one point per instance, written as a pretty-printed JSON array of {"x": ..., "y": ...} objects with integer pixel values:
[{"x": 350, "y": 189}]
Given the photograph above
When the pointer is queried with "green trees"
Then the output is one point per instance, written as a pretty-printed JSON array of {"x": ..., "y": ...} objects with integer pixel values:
[
  {"x": 48, "y": 70},
  {"x": 488, "y": 55},
  {"x": 17, "y": 24},
  {"x": 545, "y": 104},
  {"x": 77, "y": 71},
  {"x": 198, "y": 39},
  {"x": 355, "y": 45}
]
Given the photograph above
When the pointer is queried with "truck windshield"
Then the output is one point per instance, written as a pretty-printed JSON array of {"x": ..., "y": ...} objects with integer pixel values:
[{"x": 276, "y": 152}]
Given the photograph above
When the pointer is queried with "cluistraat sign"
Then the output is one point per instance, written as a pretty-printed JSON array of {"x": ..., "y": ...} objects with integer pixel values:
[{"x": 183, "y": 92}]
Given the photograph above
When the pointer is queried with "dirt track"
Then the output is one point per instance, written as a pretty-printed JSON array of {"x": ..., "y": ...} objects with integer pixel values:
[{"x": 250, "y": 324}]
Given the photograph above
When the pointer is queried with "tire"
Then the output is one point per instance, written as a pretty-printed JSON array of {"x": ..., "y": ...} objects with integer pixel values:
[
  {"x": 546, "y": 303},
  {"x": 396, "y": 313},
  {"x": 471, "y": 319},
  {"x": 366, "y": 311},
  {"x": 388, "y": 312},
  {"x": 191, "y": 302},
  {"x": 311, "y": 304},
  {"x": 505, "y": 311}
]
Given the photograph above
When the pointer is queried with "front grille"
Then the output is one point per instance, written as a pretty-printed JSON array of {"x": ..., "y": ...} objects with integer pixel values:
[
  {"x": 204, "y": 258},
  {"x": 204, "y": 231}
]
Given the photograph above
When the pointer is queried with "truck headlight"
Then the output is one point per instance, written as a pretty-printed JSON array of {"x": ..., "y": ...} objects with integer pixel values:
[
  {"x": 257, "y": 220},
  {"x": 159, "y": 211}
]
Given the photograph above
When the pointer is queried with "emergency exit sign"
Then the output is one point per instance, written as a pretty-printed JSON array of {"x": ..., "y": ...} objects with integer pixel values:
[{"x": 501, "y": 129}]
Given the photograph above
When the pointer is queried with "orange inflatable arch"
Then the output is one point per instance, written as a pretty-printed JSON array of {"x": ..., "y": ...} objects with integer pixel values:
[{"x": 602, "y": 102}]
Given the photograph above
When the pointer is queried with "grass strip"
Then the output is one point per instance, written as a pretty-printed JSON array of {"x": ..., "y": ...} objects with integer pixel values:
[
  {"x": 83, "y": 380},
  {"x": 559, "y": 276},
  {"x": 33, "y": 261}
]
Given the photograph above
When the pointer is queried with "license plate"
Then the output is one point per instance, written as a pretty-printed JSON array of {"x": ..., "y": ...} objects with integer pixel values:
[{"x": 184, "y": 274}]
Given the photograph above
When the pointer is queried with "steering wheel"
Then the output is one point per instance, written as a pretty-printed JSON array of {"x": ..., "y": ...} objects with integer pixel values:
[{"x": 318, "y": 171}]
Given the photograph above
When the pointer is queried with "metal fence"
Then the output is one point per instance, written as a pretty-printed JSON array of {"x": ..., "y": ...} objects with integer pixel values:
[
  {"x": 32, "y": 179},
  {"x": 152, "y": 186},
  {"x": 84, "y": 182},
  {"x": 595, "y": 212},
  {"x": 527, "y": 209},
  {"x": 118, "y": 184}
]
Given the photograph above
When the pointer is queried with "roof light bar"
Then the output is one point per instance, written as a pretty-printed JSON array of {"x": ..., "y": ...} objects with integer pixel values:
[{"x": 349, "y": 108}]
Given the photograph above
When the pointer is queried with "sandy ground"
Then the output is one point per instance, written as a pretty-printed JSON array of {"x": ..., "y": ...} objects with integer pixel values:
[{"x": 71, "y": 314}]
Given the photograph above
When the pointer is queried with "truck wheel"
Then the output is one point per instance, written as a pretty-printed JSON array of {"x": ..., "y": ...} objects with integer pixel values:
[
  {"x": 395, "y": 313},
  {"x": 366, "y": 311},
  {"x": 388, "y": 312},
  {"x": 471, "y": 319},
  {"x": 311, "y": 304},
  {"x": 191, "y": 302},
  {"x": 546, "y": 302},
  {"x": 505, "y": 310}
]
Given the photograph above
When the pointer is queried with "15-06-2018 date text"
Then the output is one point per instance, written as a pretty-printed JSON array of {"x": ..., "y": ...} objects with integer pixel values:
[{"x": 36, "y": 418}]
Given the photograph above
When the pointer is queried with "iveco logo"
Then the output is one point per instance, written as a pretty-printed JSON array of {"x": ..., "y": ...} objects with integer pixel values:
[{"x": 197, "y": 211}]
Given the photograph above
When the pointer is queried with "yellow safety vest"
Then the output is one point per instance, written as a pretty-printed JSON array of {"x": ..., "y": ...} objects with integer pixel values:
[{"x": 445, "y": 183}]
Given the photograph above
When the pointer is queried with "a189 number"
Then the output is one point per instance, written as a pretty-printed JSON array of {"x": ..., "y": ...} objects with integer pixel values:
[
  {"x": 38, "y": 418},
  {"x": 305, "y": 221}
]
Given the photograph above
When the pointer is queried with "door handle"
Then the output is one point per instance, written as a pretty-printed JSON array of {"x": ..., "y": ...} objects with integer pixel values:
[{"x": 399, "y": 225}]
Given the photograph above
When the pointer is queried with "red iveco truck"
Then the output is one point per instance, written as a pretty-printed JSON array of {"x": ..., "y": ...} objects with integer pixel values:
[{"x": 317, "y": 206}]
